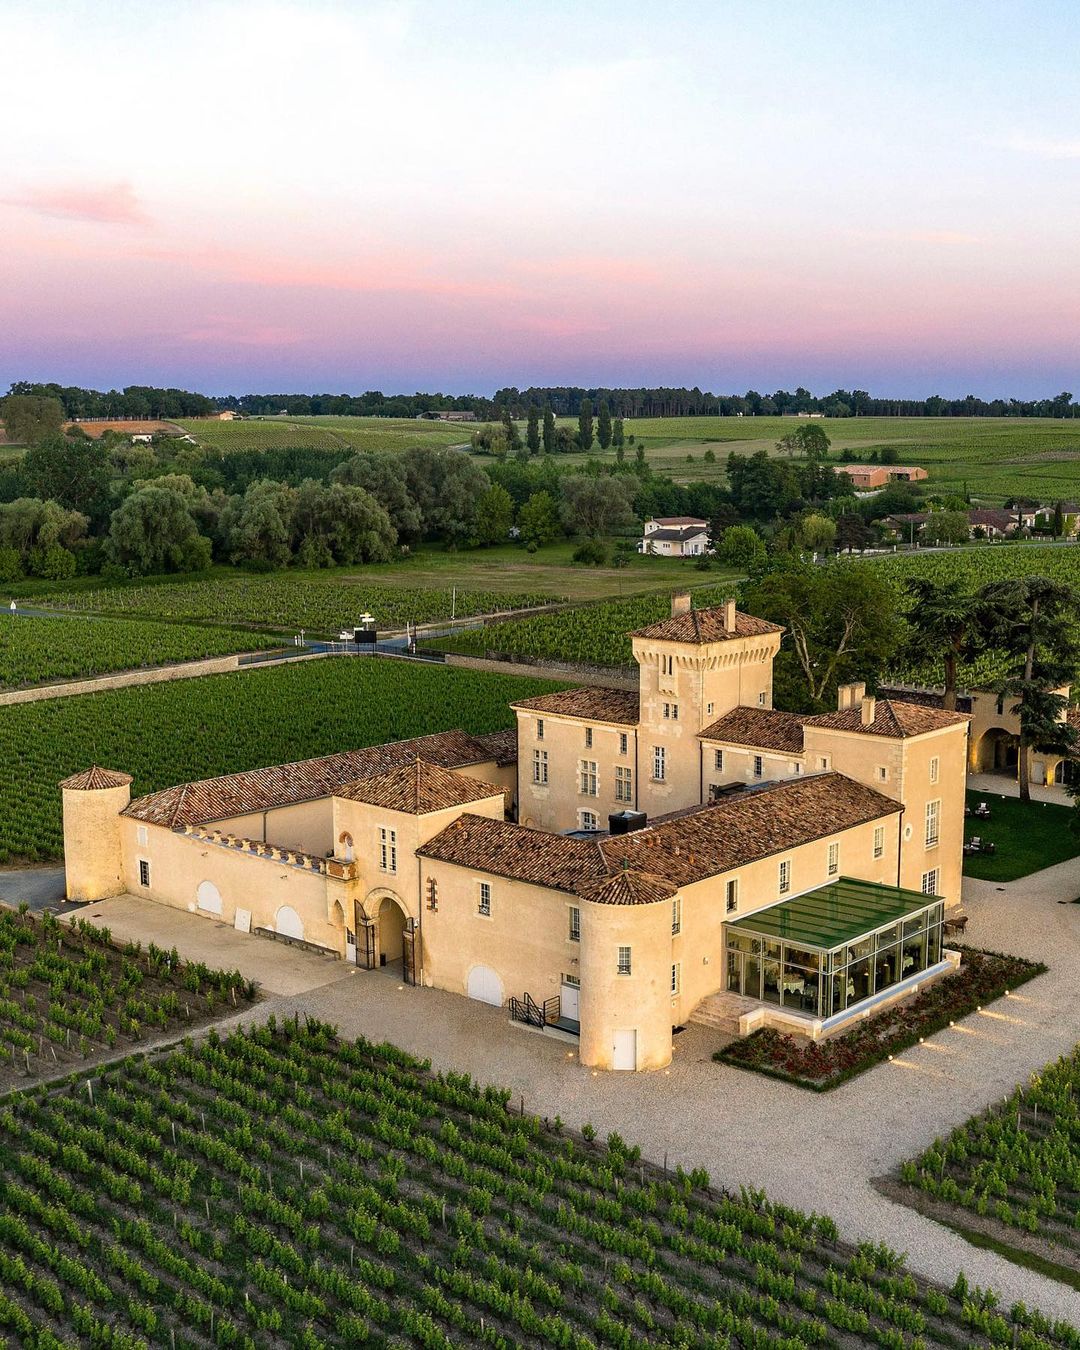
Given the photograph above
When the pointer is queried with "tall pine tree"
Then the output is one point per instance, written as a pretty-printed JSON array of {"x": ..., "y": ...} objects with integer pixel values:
[
  {"x": 513, "y": 436},
  {"x": 617, "y": 438},
  {"x": 585, "y": 426},
  {"x": 549, "y": 430},
  {"x": 532, "y": 431},
  {"x": 603, "y": 425}
]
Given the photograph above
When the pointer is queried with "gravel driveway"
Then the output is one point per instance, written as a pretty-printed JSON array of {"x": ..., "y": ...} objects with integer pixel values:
[{"x": 818, "y": 1152}]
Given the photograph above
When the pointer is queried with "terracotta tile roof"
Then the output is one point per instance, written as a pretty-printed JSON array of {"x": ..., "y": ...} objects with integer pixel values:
[
  {"x": 892, "y": 717},
  {"x": 628, "y": 888},
  {"x": 501, "y": 744},
  {"x": 706, "y": 625},
  {"x": 95, "y": 777},
  {"x": 418, "y": 788},
  {"x": 669, "y": 532},
  {"x": 926, "y": 698},
  {"x": 746, "y": 828},
  {"x": 516, "y": 851},
  {"x": 765, "y": 727},
  {"x": 680, "y": 520},
  {"x": 285, "y": 784},
  {"x": 590, "y": 704}
]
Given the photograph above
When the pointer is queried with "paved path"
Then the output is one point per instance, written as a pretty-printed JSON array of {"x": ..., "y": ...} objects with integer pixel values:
[
  {"x": 39, "y": 887},
  {"x": 1004, "y": 786},
  {"x": 815, "y": 1151}
]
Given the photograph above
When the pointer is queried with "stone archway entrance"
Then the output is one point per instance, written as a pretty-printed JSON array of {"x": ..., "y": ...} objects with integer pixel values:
[
  {"x": 998, "y": 751},
  {"x": 386, "y": 937}
]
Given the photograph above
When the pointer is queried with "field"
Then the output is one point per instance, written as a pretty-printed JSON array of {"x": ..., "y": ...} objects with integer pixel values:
[
  {"x": 592, "y": 634},
  {"x": 1013, "y": 1174},
  {"x": 185, "y": 729},
  {"x": 281, "y": 1188},
  {"x": 68, "y": 994},
  {"x": 282, "y": 601},
  {"x": 37, "y": 649},
  {"x": 327, "y": 433},
  {"x": 990, "y": 456}
]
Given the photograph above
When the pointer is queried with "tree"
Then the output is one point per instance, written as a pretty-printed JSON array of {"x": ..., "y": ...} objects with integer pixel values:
[
  {"x": 817, "y": 533},
  {"x": 941, "y": 626},
  {"x": 1058, "y": 523},
  {"x": 596, "y": 507},
  {"x": 1029, "y": 620},
  {"x": 585, "y": 426},
  {"x": 532, "y": 433},
  {"x": 603, "y": 425},
  {"x": 813, "y": 441},
  {"x": 446, "y": 485},
  {"x": 743, "y": 548},
  {"x": 262, "y": 530},
  {"x": 29, "y": 524},
  {"x": 852, "y": 532},
  {"x": 29, "y": 418},
  {"x": 154, "y": 531},
  {"x": 947, "y": 527},
  {"x": 340, "y": 524},
  {"x": 549, "y": 430},
  {"x": 538, "y": 519},
  {"x": 842, "y": 623},
  {"x": 383, "y": 475},
  {"x": 513, "y": 436},
  {"x": 494, "y": 516},
  {"x": 617, "y": 434},
  {"x": 73, "y": 473}
]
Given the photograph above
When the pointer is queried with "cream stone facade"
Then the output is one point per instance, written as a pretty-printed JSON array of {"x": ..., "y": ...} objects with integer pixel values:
[{"x": 587, "y": 870}]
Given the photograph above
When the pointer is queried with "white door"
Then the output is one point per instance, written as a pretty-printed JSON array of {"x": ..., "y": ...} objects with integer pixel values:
[
  {"x": 569, "y": 1001},
  {"x": 288, "y": 923},
  {"x": 625, "y": 1056},
  {"x": 350, "y": 946},
  {"x": 208, "y": 898},
  {"x": 485, "y": 986}
]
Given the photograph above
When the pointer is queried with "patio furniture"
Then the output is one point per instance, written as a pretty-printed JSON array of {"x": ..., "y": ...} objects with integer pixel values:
[
  {"x": 983, "y": 810},
  {"x": 956, "y": 924}
]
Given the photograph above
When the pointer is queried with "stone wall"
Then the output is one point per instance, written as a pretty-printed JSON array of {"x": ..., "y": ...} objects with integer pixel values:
[
  {"x": 183, "y": 670},
  {"x": 607, "y": 677}
]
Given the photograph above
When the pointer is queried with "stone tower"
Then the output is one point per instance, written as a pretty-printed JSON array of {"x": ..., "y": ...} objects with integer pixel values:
[{"x": 93, "y": 841}]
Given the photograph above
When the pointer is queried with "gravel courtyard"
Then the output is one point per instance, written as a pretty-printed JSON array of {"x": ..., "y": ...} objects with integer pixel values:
[{"x": 815, "y": 1151}]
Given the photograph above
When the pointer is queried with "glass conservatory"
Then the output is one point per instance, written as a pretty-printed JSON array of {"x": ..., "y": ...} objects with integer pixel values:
[{"x": 831, "y": 949}]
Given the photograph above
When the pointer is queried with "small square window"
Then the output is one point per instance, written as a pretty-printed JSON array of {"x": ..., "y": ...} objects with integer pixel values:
[
  {"x": 675, "y": 978},
  {"x": 759, "y": 766},
  {"x": 761, "y": 700},
  {"x": 141, "y": 835},
  {"x": 882, "y": 773},
  {"x": 588, "y": 820}
]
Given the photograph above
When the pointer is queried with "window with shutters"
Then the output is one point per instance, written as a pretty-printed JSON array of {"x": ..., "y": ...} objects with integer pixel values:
[
  {"x": 834, "y": 860},
  {"x": 675, "y": 977},
  {"x": 676, "y": 915},
  {"x": 935, "y": 768},
  {"x": 933, "y": 822},
  {"x": 144, "y": 872}
]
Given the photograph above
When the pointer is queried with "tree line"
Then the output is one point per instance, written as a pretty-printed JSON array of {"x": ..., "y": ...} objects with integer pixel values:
[{"x": 143, "y": 401}]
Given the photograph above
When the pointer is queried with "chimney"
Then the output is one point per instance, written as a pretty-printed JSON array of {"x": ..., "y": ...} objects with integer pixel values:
[
  {"x": 680, "y": 603},
  {"x": 729, "y": 615},
  {"x": 850, "y": 695},
  {"x": 868, "y": 704}
]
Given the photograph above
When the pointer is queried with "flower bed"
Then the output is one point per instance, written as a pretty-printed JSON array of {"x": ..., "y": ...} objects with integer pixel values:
[{"x": 821, "y": 1065}]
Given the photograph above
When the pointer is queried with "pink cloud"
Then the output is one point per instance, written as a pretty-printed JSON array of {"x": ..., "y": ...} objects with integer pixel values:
[{"x": 109, "y": 204}]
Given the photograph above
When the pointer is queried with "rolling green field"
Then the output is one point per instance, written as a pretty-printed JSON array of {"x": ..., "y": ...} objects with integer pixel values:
[
  {"x": 279, "y": 1186},
  {"x": 37, "y": 649},
  {"x": 991, "y": 457},
  {"x": 418, "y": 589},
  {"x": 186, "y": 729},
  {"x": 327, "y": 433}
]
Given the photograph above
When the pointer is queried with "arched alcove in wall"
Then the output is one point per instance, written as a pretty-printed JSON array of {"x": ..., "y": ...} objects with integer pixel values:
[{"x": 208, "y": 898}]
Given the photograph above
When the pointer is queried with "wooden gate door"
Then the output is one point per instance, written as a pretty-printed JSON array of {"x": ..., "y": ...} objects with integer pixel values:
[
  {"x": 409, "y": 936},
  {"x": 365, "y": 950}
]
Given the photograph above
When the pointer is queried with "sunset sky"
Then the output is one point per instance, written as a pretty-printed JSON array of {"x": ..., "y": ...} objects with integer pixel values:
[{"x": 456, "y": 196}]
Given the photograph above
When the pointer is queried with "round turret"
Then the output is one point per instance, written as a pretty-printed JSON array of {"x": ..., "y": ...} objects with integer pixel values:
[{"x": 93, "y": 838}]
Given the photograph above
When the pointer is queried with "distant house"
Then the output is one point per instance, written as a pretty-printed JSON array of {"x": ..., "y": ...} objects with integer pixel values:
[
  {"x": 448, "y": 416},
  {"x": 869, "y": 477},
  {"x": 991, "y": 523},
  {"x": 1043, "y": 517},
  {"x": 675, "y": 536},
  {"x": 226, "y": 415},
  {"x": 142, "y": 438},
  {"x": 996, "y": 524}
]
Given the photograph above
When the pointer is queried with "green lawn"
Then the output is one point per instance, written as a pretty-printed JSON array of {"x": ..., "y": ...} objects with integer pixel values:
[{"x": 1028, "y": 835}]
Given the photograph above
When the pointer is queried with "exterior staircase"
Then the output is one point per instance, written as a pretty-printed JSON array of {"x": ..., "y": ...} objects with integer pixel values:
[{"x": 722, "y": 1011}]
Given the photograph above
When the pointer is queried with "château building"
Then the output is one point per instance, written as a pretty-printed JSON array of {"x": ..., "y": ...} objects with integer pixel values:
[{"x": 618, "y": 864}]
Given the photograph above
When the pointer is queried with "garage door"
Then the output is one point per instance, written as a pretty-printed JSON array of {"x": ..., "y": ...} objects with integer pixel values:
[
  {"x": 485, "y": 986},
  {"x": 288, "y": 923}
]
